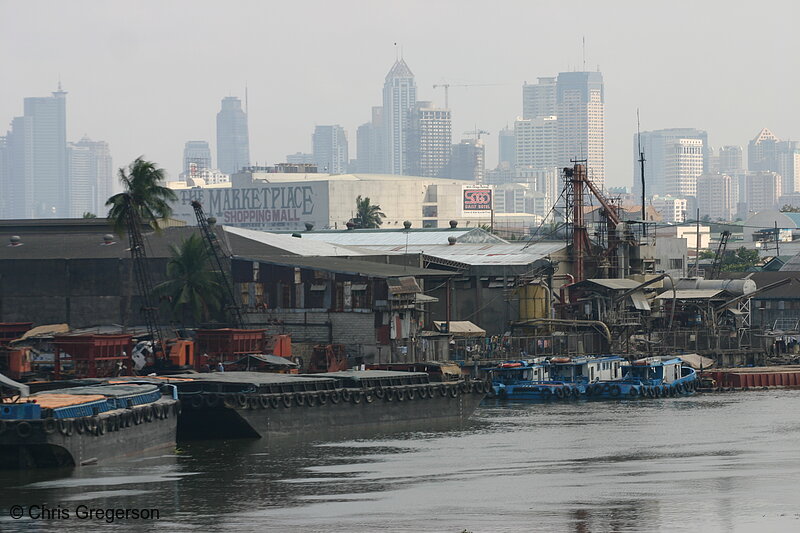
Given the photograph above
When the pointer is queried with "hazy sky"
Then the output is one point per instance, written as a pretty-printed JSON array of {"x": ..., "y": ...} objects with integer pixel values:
[{"x": 146, "y": 76}]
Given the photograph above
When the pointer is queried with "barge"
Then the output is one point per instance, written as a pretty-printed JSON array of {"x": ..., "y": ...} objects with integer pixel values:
[
  {"x": 82, "y": 425},
  {"x": 263, "y": 405}
]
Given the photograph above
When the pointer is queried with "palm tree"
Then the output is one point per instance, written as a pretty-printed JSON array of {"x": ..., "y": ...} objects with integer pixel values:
[
  {"x": 192, "y": 288},
  {"x": 89, "y": 214},
  {"x": 367, "y": 215},
  {"x": 144, "y": 196}
]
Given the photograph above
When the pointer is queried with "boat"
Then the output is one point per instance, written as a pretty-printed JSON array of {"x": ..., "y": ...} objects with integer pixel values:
[
  {"x": 270, "y": 406},
  {"x": 557, "y": 378},
  {"x": 650, "y": 377},
  {"x": 71, "y": 425}
]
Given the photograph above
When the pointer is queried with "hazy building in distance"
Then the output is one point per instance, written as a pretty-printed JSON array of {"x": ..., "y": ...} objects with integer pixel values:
[
  {"x": 536, "y": 142},
  {"x": 197, "y": 152},
  {"x": 730, "y": 160},
  {"x": 370, "y": 145},
  {"x": 429, "y": 141},
  {"x": 300, "y": 158},
  {"x": 467, "y": 161},
  {"x": 36, "y": 174},
  {"x": 233, "y": 139},
  {"x": 539, "y": 99},
  {"x": 91, "y": 177},
  {"x": 330, "y": 149},
  {"x": 766, "y": 152},
  {"x": 399, "y": 102},
  {"x": 666, "y": 162},
  {"x": 763, "y": 190},
  {"x": 580, "y": 108},
  {"x": 672, "y": 209},
  {"x": 507, "y": 148},
  {"x": 715, "y": 196}
]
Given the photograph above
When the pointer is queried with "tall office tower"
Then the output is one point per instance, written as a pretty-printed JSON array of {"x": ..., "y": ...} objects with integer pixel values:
[
  {"x": 197, "y": 152},
  {"x": 507, "y": 148},
  {"x": 683, "y": 164},
  {"x": 429, "y": 141},
  {"x": 330, "y": 149},
  {"x": 763, "y": 190},
  {"x": 660, "y": 148},
  {"x": 370, "y": 145},
  {"x": 399, "y": 102},
  {"x": 715, "y": 196},
  {"x": 580, "y": 108},
  {"x": 467, "y": 161},
  {"x": 233, "y": 140},
  {"x": 766, "y": 152},
  {"x": 539, "y": 99},
  {"x": 672, "y": 209},
  {"x": 36, "y": 174},
  {"x": 536, "y": 142},
  {"x": 761, "y": 151},
  {"x": 730, "y": 160},
  {"x": 90, "y": 177}
]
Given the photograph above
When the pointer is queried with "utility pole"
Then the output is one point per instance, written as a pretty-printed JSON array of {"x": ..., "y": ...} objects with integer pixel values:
[{"x": 697, "y": 247}]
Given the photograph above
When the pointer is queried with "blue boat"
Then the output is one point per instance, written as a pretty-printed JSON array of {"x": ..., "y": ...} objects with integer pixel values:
[
  {"x": 559, "y": 378},
  {"x": 651, "y": 377}
]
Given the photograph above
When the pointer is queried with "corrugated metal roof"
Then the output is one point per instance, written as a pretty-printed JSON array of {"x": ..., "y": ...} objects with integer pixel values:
[
  {"x": 616, "y": 283},
  {"x": 348, "y": 266},
  {"x": 293, "y": 245},
  {"x": 482, "y": 254},
  {"x": 463, "y": 328},
  {"x": 400, "y": 237},
  {"x": 690, "y": 294},
  {"x": 639, "y": 301}
]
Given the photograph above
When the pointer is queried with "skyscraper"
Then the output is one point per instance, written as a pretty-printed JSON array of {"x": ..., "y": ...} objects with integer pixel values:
[
  {"x": 233, "y": 141},
  {"x": 370, "y": 145},
  {"x": 666, "y": 165},
  {"x": 399, "y": 102},
  {"x": 580, "y": 108},
  {"x": 36, "y": 170},
  {"x": 467, "y": 161},
  {"x": 536, "y": 142},
  {"x": 766, "y": 152},
  {"x": 330, "y": 149},
  {"x": 730, "y": 160},
  {"x": 90, "y": 177},
  {"x": 197, "y": 152},
  {"x": 507, "y": 148},
  {"x": 539, "y": 99},
  {"x": 429, "y": 141}
]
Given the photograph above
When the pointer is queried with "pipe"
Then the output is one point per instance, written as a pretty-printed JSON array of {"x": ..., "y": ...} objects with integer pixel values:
[{"x": 597, "y": 324}]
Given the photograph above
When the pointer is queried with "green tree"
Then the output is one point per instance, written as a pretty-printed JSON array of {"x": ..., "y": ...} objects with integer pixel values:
[
  {"x": 368, "y": 215},
  {"x": 192, "y": 288},
  {"x": 739, "y": 260},
  {"x": 87, "y": 214},
  {"x": 143, "y": 193},
  {"x": 790, "y": 209}
]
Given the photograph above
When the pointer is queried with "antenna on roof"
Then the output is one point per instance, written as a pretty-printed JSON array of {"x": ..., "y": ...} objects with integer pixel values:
[{"x": 584, "y": 52}]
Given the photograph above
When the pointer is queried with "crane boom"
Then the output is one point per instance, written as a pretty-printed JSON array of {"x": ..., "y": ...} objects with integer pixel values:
[
  {"x": 716, "y": 267},
  {"x": 221, "y": 261},
  {"x": 143, "y": 281}
]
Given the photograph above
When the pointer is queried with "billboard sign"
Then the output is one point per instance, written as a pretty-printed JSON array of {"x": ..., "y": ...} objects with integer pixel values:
[
  {"x": 287, "y": 206},
  {"x": 477, "y": 200}
]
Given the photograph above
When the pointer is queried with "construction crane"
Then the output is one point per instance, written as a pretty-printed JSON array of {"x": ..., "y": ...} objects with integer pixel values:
[
  {"x": 221, "y": 260},
  {"x": 716, "y": 266},
  {"x": 446, "y": 87},
  {"x": 143, "y": 282},
  {"x": 477, "y": 133}
]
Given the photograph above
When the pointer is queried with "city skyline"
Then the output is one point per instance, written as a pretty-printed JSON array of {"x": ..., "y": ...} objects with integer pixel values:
[{"x": 638, "y": 64}]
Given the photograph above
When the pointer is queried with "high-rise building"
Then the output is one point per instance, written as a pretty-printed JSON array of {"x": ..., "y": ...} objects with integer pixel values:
[
  {"x": 766, "y": 152},
  {"x": 664, "y": 161},
  {"x": 429, "y": 141},
  {"x": 539, "y": 99},
  {"x": 300, "y": 158},
  {"x": 370, "y": 145},
  {"x": 763, "y": 190},
  {"x": 683, "y": 164},
  {"x": 507, "y": 148},
  {"x": 399, "y": 102},
  {"x": 233, "y": 140},
  {"x": 467, "y": 161},
  {"x": 580, "y": 108},
  {"x": 330, "y": 149},
  {"x": 536, "y": 142},
  {"x": 197, "y": 152},
  {"x": 91, "y": 177},
  {"x": 37, "y": 168},
  {"x": 672, "y": 209},
  {"x": 730, "y": 160},
  {"x": 715, "y": 196}
]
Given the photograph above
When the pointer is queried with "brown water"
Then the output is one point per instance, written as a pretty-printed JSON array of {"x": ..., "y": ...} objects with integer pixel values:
[{"x": 720, "y": 462}]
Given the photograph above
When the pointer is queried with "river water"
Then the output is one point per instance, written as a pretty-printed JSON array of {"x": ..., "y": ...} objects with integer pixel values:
[{"x": 714, "y": 462}]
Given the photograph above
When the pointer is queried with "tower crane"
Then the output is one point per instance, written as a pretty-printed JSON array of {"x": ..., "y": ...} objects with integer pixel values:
[
  {"x": 446, "y": 87},
  {"x": 477, "y": 133}
]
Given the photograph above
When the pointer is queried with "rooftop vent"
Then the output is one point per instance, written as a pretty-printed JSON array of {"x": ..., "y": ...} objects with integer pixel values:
[
  {"x": 407, "y": 224},
  {"x": 350, "y": 225},
  {"x": 451, "y": 240},
  {"x": 309, "y": 226},
  {"x": 108, "y": 240},
  {"x": 211, "y": 220},
  {"x": 15, "y": 241},
  {"x": 297, "y": 235},
  {"x": 454, "y": 223}
]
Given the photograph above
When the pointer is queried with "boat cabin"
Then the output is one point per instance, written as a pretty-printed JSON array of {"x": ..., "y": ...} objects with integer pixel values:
[
  {"x": 512, "y": 372},
  {"x": 654, "y": 368},
  {"x": 586, "y": 369}
]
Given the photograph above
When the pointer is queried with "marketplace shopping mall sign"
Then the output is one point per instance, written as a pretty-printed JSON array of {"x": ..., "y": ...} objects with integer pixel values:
[{"x": 272, "y": 207}]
